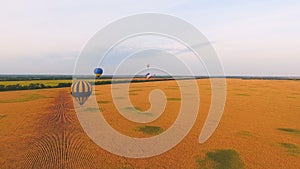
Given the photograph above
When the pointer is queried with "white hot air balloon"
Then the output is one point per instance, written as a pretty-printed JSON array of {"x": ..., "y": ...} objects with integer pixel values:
[{"x": 148, "y": 75}]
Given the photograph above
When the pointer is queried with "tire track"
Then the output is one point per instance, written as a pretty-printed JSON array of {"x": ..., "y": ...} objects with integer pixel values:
[{"x": 61, "y": 142}]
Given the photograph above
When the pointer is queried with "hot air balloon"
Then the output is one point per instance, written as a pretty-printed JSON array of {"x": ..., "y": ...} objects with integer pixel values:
[
  {"x": 98, "y": 72},
  {"x": 148, "y": 75},
  {"x": 81, "y": 91}
]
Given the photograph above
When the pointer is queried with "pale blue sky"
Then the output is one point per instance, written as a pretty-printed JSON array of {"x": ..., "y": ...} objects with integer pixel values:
[{"x": 251, "y": 37}]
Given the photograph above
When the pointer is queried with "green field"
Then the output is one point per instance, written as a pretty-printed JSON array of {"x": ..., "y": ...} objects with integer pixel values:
[
  {"x": 28, "y": 82},
  {"x": 41, "y": 84},
  {"x": 10, "y": 85}
]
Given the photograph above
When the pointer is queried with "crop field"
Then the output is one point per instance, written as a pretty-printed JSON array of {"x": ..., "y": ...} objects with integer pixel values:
[
  {"x": 259, "y": 128},
  {"x": 28, "y": 82},
  {"x": 11, "y": 85}
]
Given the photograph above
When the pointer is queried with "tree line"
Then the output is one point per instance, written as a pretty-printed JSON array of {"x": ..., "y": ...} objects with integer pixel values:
[{"x": 31, "y": 86}]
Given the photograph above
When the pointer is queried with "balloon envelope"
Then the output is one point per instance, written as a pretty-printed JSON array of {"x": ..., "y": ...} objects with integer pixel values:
[
  {"x": 81, "y": 91},
  {"x": 148, "y": 75},
  {"x": 98, "y": 71}
]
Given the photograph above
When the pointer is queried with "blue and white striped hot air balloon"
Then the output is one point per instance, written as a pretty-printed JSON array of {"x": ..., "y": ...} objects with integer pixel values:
[{"x": 81, "y": 91}]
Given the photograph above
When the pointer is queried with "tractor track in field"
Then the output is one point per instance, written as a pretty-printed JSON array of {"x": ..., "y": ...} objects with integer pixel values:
[{"x": 61, "y": 142}]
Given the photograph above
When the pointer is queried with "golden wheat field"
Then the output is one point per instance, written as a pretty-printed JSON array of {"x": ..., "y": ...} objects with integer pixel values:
[{"x": 259, "y": 129}]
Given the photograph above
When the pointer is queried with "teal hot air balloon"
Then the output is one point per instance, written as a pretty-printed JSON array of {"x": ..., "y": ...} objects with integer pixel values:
[{"x": 81, "y": 91}]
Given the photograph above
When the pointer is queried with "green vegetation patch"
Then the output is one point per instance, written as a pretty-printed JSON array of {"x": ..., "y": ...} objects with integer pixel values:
[
  {"x": 2, "y": 116},
  {"x": 290, "y": 131},
  {"x": 24, "y": 98},
  {"x": 133, "y": 108},
  {"x": 103, "y": 101},
  {"x": 135, "y": 90},
  {"x": 31, "y": 86},
  {"x": 152, "y": 130},
  {"x": 292, "y": 149},
  {"x": 173, "y": 88},
  {"x": 92, "y": 109},
  {"x": 146, "y": 114},
  {"x": 245, "y": 133},
  {"x": 119, "y": 98},
  {"x": 51, "y": 83},
  {"x": 174, "y": 99},
  {"x": 221, "y": 159}
]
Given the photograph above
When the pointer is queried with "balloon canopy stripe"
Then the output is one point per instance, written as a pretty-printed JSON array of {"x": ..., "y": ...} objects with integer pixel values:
[{"x": 81, "y": 90}]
